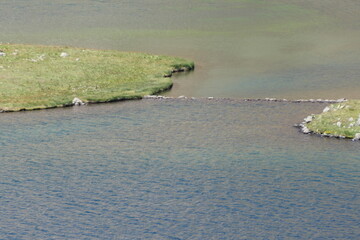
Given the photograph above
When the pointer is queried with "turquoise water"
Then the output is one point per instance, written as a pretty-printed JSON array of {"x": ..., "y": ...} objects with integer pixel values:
[
  {"x": 175, "y": 170},
  {"x": 188, "y": 169}
]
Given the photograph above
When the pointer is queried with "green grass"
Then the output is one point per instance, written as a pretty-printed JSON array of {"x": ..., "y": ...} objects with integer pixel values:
[
  {"x": 342, "y": 119},
  {"x": 36, "y": 77}
]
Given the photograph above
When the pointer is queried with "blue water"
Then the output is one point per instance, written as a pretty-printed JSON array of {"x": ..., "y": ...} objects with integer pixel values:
[{"x": 175, "y": 169}]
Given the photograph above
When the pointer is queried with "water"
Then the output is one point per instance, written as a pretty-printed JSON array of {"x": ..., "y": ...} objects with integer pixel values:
[
  {"x": 175, "y": 170},
  {"x": 188, "y": 169},
  {"x": 242, "y": 48}
]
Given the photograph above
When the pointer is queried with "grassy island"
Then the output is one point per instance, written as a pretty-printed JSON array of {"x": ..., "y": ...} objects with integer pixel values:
[
  {"x": 37, "y": 77},
  {"x": 338, "y": 120}
]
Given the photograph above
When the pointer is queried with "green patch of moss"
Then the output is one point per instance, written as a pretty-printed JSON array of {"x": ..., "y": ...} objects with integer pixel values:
[
  {"x": 36, "y": 77},
  {"x": 341, "y": 119}
]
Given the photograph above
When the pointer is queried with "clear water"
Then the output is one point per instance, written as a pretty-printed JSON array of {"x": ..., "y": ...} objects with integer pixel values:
[
  {"x": 175, "y": 170},
  {"x": 199, "y": 169}
]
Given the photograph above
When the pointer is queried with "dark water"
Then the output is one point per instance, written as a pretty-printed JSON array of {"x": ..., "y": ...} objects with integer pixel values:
[
  {"x": 242, "y": 48},
  {"x": 175, "y": 170}
]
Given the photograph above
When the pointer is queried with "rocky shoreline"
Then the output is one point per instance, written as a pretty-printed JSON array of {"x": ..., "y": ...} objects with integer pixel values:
[
  {"x": 160, "y": 97},
  {"x": 303, "y": 128},
  {"x": 78, "y": 102}
]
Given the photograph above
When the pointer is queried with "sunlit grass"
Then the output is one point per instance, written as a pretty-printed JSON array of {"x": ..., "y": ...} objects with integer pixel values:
[
  {"x": 342, "y": 119},
  {"x": 34, "y": 77}
]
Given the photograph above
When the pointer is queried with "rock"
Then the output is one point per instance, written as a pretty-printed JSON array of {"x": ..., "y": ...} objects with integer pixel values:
[
  {"x": 2, "y": 54},
  {"x": 326, "y": 109},
  {"x": 64, "y": 54},
  {"x": 181, "y": 97},
  {"x": 305, "y": 130},
  {"x": 357, "y": 137},
  {"x": 150, "y": 97},
  {"x": 77, "y": 102},
  {"x": 308, "y": 119},
  {"x": 210, "y": 98},
  {"x": 357, "y": 122},
  {"x": 338, "y": 124},
  {"x": 341, "y": 100}
]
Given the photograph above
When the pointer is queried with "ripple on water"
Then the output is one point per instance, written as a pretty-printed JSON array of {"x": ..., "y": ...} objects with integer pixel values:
[{"x": 175, "y": 169}]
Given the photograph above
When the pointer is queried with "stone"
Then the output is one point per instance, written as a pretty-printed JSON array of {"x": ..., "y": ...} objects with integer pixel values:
[
  {"x": 341, "y": 100},
  {"x": 2, "y": 54},
  {"x": 150, "y": 97},
  {"x": 357, "y": 137},
  {"x": 326, "y": 109},
  {"x": 338, "y": 124},
  {"x": 308, "y": 119},
  {"x": 305, "y": 130},
  {"x": 358, "y": 122},
  {"x": 64, "y": 54},
  {"x": 77, "y": 102}
]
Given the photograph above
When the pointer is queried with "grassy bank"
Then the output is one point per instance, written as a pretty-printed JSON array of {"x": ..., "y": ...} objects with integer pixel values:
[
  {"x": 36, "y": 77},
  {"x": 341, "y": 119}
]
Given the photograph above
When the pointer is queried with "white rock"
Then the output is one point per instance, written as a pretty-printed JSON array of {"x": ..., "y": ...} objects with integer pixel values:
[
  {"x": 351, "y": 119},
  {"x": 358, "y": 122},
  {"x": 326, "y": 109},
  {"x": 341, "y": 100},
  {"x": 308, "y": 119},
  {"x": 305, "y": 130},
  {"x": 64, "y": 54},
  {"x": 357, "y": 137},
  {"x": 338, "y": 124},
  {"x": 181, "y": 97},
  {"x": 150, "y": 97},
  {"x": 77, "y": 102},
  {"x": 2, "y": 54},
  {"x": 210, "y": 98}
]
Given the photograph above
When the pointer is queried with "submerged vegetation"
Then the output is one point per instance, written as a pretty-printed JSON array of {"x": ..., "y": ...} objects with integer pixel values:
[
  {"x": 340, "y": 120},
  {"x": 36, "y": 77}
]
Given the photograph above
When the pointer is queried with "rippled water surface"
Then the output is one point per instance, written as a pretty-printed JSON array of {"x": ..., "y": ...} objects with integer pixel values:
[
  {"x": 242, "y": 48},
  {"x": 188, "y": 169},
  {"x": 175, "y": 170}
]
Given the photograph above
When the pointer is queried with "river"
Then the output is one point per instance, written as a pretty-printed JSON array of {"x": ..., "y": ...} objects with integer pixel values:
[{"x": 188, "y": 169}]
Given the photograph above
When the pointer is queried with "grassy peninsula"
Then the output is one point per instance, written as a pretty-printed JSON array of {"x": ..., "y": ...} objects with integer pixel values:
[
  {"x": 338, "y": 120},
  {"x": 36, "y": 77}
]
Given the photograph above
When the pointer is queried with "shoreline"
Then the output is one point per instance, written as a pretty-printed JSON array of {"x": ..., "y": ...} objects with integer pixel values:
[
  {"x": 77, "y": 102},
  {"x": 339, "y": 120}
]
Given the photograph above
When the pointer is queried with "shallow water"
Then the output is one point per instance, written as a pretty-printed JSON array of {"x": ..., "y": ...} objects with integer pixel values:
[
  {"x": 175, "y": 170},
  {"x": 242, "y": 48}
]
